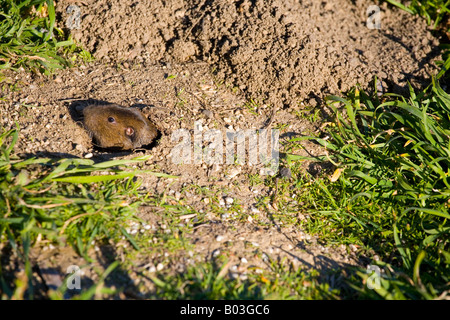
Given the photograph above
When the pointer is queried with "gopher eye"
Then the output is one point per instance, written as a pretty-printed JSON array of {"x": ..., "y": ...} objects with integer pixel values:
[{"x": 111, "y": 119}]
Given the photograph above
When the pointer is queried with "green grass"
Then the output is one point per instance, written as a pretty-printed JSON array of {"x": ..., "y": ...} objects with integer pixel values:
[
  {"x": 209, "y": 281},
  {"x": 69, "y": 201},
  {"x": 30, "y": 40},
  {"x": 437, "y": 15},
  {"x": 434, "y": 11},
  {"x": 390, "y": 189}
]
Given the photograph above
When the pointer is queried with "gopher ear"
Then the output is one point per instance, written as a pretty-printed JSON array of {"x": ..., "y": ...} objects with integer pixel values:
[{"x": 129, "y": 131}]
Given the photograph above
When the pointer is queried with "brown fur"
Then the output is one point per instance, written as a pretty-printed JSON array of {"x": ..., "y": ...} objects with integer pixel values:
[{"x": 116, "y": 127}]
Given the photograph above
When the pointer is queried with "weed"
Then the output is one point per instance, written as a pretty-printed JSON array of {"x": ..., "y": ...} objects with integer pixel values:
[
  {"x": 73, "y": 201},
  {"x": 390, "y": 190},
  {"x": 29, "y": 38}
]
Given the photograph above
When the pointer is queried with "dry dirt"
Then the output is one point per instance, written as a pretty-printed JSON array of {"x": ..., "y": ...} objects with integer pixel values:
[{"x": 198, "y": 60}]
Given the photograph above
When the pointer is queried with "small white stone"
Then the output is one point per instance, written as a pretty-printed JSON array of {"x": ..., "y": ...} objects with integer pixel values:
[
  {"x": 229, "y": 200},
  {"x": 233, "y": 173},
  {"x": 254, "y": 210},
  {"x": 215, "y": 253},
  {"x": 243, "y": 260},
  {"x": 159, "y": 267},
  {"x": 220, "y": 238},
  {"x": 88, "y": 155}
]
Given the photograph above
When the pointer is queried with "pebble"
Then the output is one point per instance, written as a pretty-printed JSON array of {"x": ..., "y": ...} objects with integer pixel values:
[
  {"x": 88, "y": 155},
  {"x": 159, "y": 267},
  {"x": 266, "y": 171},
  {"x": 233, "y": 173},
  {"x": 229, "y": 200},
  {"x": 285, "y": 173},
  {"x": 254, "y": 210},
  {"x": 208, "y": 113},
  {"x": 243, "y": 260},
  {"x": 215, "y": 253},
  {"x": 220, "y": 238}
]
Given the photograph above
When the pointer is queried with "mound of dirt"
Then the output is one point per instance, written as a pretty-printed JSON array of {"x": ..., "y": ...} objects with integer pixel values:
[{"x": 279, "y": 51}]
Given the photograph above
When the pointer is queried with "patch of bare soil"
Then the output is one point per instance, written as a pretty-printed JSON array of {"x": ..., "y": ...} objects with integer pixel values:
[
  {"x": 280, "y": 51},
  {"x": 187, "y": 61}
]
